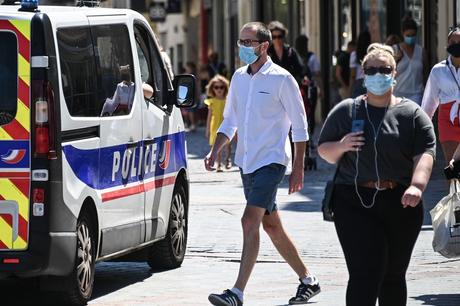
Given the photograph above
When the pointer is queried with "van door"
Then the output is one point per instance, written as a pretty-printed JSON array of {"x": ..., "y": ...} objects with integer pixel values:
[
  {"x": 156, "y": 134},
  {"x": 14, "y": 134},
  {"x": 121, "y": 154}
]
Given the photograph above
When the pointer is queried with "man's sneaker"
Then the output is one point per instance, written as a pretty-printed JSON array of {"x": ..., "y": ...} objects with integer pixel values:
[
  {"x": 304, "y": 293},
  {"x": 227, "y": 298}
]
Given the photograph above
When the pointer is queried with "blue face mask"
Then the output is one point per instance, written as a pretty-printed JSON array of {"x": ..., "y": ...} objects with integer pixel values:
[
  {"x": 410, "y": 40},
  {"x": 248, "y": 55},
  {"x": 378, "y": 84}
]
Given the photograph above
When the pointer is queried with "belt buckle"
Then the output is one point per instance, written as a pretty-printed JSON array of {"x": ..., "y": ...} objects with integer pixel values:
[{"x": 380, "y": 188}]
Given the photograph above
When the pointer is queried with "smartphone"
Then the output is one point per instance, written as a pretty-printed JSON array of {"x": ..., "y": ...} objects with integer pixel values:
[{"x": 357, "y": 126}]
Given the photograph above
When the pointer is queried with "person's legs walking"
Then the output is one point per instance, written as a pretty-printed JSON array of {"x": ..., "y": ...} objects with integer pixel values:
[
  {"x": 402, "y": 226},
  {"x": 361, "y": 236}
]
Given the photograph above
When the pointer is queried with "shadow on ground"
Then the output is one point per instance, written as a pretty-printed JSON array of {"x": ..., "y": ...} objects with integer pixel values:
[{"x": 439, "y": 299}]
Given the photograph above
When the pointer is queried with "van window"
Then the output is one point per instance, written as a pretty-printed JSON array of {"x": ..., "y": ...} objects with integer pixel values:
[
  {"x": 97, "y": 70},
  {"x": 78, "y": 71},
  {"x": 8, "y": 77}
]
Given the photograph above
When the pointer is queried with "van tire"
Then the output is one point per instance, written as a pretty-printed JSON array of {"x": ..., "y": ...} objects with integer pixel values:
[
  {"x": 169, "y": 253},
  {"x": 80, "y": 284}
]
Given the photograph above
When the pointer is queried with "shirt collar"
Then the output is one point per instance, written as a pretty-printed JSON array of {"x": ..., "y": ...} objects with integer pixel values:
[{"x": 265, "y": 67}]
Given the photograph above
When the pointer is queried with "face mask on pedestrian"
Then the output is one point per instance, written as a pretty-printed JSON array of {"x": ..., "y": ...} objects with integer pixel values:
[
  {"x": 248, "y": 54},
  {"x": 378, "y": 84},
  {"x": 410, "y": 40},
  {"x": 454, "y": 50}
]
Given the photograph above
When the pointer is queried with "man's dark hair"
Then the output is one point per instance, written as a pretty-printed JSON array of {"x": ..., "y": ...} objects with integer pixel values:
[
  {"x": 301, "y": 44},
  {"x": 408, "y": 24},
  {"x": 262, "y": 32}
]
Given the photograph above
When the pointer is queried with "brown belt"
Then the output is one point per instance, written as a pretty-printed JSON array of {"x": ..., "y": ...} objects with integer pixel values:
[{"x": 384, "y": 184}]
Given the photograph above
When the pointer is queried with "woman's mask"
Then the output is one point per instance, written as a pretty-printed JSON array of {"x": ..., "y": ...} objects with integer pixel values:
[{"x": 378, "y": 84}]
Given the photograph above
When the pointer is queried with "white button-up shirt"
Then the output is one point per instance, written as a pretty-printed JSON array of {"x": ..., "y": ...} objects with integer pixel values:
[
  {"x": 442, "y": 87},
  {"x": 262, "y": 107}
]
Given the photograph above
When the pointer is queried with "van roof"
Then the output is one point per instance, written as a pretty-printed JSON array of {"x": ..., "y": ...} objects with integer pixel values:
[{"x": 12, "y": 10}]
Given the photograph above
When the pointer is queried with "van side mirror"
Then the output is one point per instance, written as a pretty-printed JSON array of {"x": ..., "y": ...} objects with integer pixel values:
[{"x": 184, "y": 90}]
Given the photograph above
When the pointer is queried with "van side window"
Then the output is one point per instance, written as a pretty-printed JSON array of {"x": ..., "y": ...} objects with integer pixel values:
[
  {"x": 78, "y": 70},
  {"x": 97, "y": 70},
  {"x": 8, "y": 77},
  {"x": 150, "y": 58}
]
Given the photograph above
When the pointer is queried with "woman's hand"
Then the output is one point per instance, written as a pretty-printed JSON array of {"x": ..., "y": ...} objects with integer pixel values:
[
  {"x": 352, "y": 141},
  {"x": 411, "y": 196}
]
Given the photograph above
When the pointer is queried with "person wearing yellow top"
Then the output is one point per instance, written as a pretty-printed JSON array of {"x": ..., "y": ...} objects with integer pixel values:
[{"x": 217, "y": 90}]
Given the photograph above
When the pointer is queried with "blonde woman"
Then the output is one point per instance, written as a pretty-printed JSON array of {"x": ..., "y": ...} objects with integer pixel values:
[
  {"x": 217, "y": 90},
  {"x": 384, "y": 165}
]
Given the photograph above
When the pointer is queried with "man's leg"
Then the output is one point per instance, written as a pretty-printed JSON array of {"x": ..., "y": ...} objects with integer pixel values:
[
  {"x": 250, "y": 222},
  {"x": 283, "y": 243}
]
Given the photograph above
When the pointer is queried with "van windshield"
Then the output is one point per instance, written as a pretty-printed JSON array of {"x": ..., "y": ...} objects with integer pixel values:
[{"x": 8, "y": 77}]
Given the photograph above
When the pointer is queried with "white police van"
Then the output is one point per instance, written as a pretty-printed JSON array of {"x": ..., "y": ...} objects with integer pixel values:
[{"x": 92, "y": 165}]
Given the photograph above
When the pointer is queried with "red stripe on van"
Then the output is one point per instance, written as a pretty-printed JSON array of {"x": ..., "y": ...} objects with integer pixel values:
[
  {"x": 22, "y": 228},
  {"x": 8, "y": 219},
  {"x": 3, "y": 246},
  {"x": 121, "y": 193},
  {"x": 23, "y": 42},
  {"x": 16, "y": 130},
  {"x": 14, "y": 174},
  {"x": 23, "y": 92},
  {"x": 22, "y": 185}
]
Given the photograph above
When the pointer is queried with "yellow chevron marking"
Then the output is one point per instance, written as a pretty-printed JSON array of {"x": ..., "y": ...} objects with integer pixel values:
[
  {"x": 4, "y": 135},
  {"x": 9, "y": 191},
  {"x": 6, "y": 233},
  {"x": 22, "y": 26},
  {"x": 22, "y": 115},
  {"x": 19, "y": 244},
  {"x": 24, "y": 69}
]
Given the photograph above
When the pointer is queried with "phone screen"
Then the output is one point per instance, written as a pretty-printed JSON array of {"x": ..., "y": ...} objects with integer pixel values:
[{"x": 357, "y": 126}]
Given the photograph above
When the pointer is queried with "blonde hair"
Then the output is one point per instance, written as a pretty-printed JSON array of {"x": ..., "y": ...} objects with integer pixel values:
[
  {"x": 377, "y": 50},
  {"x": 216, "y": 79}
]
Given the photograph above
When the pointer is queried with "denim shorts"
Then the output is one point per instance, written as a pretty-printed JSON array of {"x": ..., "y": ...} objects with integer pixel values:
[{"x": 260, "y": 186}]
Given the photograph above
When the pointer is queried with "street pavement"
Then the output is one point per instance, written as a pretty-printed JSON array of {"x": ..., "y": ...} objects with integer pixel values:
[{"x": 215, "y": 240}]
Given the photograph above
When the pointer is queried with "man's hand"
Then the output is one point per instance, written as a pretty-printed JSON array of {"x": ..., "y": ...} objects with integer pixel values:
[
  {"x": 209, "y": 161},
  {"x": 411, "y": 196},
  {"x": 352, "y": 141},
  {"x": 296, "y": 180}
]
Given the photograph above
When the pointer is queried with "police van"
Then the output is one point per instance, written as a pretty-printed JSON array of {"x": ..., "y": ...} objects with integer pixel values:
[{"x": 93, "y": 162}]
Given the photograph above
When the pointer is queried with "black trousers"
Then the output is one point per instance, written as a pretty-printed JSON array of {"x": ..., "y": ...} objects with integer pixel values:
[{"x": 377, "y": 243}]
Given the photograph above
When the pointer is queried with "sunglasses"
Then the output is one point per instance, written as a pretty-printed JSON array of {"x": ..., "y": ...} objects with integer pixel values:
[
  {"x": 247, "y": 42},
  {"x": 277, "y": 36},
  {"x": 219, "y": 87},
  {"x": 374, "y": 70}
]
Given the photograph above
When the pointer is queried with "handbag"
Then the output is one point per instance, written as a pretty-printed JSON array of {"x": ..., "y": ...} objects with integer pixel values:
[
  {"x": 445, "y": 218},
  {"x": 328, "y": 212},
  {"x": 327, "y": 202}
]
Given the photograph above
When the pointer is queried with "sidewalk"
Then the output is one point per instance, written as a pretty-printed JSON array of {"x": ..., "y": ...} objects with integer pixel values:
[{"x": 432, "y": 279}]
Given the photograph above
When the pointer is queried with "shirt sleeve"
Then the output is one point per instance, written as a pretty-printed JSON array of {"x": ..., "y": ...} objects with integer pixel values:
[
  {"x": 425, "y": 138},
  {"x": 229, "y": 124},
  {"x": 293, "y": 104},
  {"x": 430, "y": 99},
  {"x": 353, "y": 63},
  {"x": 314, "y": 64},
  {"x": 333, "y": 128},
  {"x": 207, "y": 102}
]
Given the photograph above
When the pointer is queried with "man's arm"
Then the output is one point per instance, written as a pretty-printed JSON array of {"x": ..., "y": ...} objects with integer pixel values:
[{"x": 297, "y": 175}]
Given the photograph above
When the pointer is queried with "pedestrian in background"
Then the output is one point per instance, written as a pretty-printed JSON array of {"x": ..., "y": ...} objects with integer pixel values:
[
  {"x": 411, "y": 61},
  {"x": 383, "y": 165},
  {"x": 263, "y": 101},
  {"x": 217, "y": 90},
  {"x": 214, "y": 66},
  {"x": 342, "y": 70},
  {"x": 311, "y": 77},
  {"x": 356, "y": 57},
  {"x": 283, "y": 54},
  {"x": 443, "y": 90}
]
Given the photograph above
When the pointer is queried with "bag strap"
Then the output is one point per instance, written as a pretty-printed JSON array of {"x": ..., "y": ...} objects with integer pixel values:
[{"x": 353, "y": 117}]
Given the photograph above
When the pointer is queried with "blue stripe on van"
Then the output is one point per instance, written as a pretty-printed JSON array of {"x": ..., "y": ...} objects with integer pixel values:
[{"x": 118, "y": 165}]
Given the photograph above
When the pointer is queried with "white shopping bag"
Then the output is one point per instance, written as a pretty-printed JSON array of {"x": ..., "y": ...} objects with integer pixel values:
[{"x": 446, "y": 226}]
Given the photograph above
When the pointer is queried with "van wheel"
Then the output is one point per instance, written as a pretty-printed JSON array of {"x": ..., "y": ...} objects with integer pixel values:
[
  {"x": 169, "y": 253},
  {"x": 81, "y": 280}
]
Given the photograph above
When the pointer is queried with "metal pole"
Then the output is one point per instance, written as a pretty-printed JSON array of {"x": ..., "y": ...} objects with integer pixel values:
[{"x": 455, "y": 13}]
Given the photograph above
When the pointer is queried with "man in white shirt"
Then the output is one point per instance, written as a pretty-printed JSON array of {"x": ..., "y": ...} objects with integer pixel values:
[{"x": 263, "y": 102}]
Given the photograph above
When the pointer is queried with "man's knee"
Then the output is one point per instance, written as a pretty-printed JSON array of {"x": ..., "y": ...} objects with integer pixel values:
[
  {"x": 273, "y": 230},
  {"x": 250, "y": 224}
]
